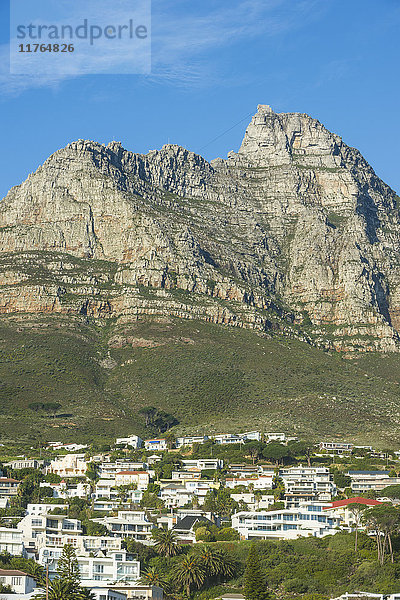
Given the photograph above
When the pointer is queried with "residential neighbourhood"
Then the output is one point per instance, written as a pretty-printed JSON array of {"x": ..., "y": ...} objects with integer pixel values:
[{"x": 248, "y": 487}]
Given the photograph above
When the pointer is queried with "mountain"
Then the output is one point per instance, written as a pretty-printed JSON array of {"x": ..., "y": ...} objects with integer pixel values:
[{"x": 293, "y": 237}]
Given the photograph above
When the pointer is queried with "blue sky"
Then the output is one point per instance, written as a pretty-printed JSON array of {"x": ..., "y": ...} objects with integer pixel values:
[{"x": 212, "y": 63}]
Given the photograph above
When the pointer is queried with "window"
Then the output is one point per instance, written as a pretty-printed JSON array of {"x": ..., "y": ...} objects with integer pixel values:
[
  {"x": 52, "y": 523},
  {"x": 36, "y": 522},
  {"x": 16, "y": 580},
  {"x": 98, "y": 568}
]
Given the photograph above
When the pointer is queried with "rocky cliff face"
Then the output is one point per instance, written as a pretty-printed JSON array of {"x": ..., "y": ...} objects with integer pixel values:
[{"x": 294, "y": 232}]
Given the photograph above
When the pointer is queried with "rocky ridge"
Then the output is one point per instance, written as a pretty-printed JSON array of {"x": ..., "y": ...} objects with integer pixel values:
[{"x": 293, "y": 233}]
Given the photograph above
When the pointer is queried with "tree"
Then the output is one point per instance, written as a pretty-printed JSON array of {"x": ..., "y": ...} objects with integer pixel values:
[
  {"x": 190, "y": 572},
  {"x": 166, "y": 542},
  {"x": 68, "y": 567},
  {"x": 215, "y": 561},
  {"x": 60, "y": 589},
  {"x": 153, "y": 576},
  {"x": 254, "y": 448},
  {"x": 276, "y": 452},
  {"x": 391, "y": 491},
  {"x": 383, "y": 520},
  {"x": 357, "y": 511},
  {"x": 92, "y": 472},
  {"x": 341, "y": 480},
  {"x": 52, "y": 407},
  {"x": 255, "y": 587},
  {"x": 220, "y": 502},
  {"x": 170, "y": 440},
  {"x": 29, "y": 566},
  {"x": 149, "y": 412},
  {"x": 301, "y": 449}
]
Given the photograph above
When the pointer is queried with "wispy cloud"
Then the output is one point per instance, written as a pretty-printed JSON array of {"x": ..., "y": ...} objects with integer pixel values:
[{"x": 186, "y": 39}]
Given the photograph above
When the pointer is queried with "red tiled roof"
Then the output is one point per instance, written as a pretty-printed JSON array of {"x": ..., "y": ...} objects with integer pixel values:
[
  {"x": 12, "y": 573},
  {"x": 358, "y": 500},
  {"x": 8, "y": 480}
]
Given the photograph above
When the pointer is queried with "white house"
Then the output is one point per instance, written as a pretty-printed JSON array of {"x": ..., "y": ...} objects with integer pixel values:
[
  {"x": 336, "y": 447},
  {"x": 203, "y": 464},
  {"x": 11, "y": 541},
  {"x": 105, "y": 593},
  {"x": 307, "y": 520},
  {"x": 175, "y": 495},
  {"x": 308, "y": 483},
  {"x": 363, "y": 481},
  {"x": 237, "y": 438},
  {"x": 20, "y": 582},
  {"x": 42, "y": 508},
  {"x": 134, "y": 441},
  {"x": 189, "y": 440},
  {"x": 263, "y": 482},
  {"x": 117, "y": 566},
  {"x": 129, "y": 524},
  {"x": 108, "y": 470},
  {"x": 70, "y": 465},
  {"x": 157, "y": 444},
  {"x": 37, "y": 528},
  {"x": 140, "y": 592},
  {"x": 140, "y": 478}
]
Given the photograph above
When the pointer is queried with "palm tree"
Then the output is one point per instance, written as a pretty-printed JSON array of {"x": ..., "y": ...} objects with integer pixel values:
[
  {"x": 152, "y": 576},
  {"x": 190, "y": 572},
  {"x": 215, "y": 562},
  {"x": 166, "y": 542},
  {"x": 60, "y": 589}
]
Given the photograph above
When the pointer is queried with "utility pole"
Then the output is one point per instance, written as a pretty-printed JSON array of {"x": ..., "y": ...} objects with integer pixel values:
[{"x": 47, "y": 581}]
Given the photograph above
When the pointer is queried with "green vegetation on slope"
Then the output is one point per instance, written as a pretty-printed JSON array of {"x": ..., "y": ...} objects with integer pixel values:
[{"x": 211, "y": 378}]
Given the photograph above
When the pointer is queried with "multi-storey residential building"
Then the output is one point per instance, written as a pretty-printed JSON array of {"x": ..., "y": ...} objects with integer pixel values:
[
  {"x": 363, "y": 481},
  {"x": 254, "y": 502},
  {"x": 65, "y": 490},
  {"x": 129, "y": 524},
  {"x": 108, "y": 470},
  {"x": 83, "y": 544},
  {"x": 140, "y": 478},
  {"x": 307, "y": 483},
  {"x": 25, "y": 463},
  {"x": 306, "y": 520},
  {"x": 134, "y": 441},
  {"x": 182, "y": 475},
  {"x": 263, "y": 482},
  {"x": 204, "y": 464},
  {"x": 8, "y": 486},
  {"x": 200, "y": 488},
  {"x": 175, "y": 495},
  {"x": 336, "y": 447},
  {"x": 70, "y": 465},
  {"x": 236, "y": 438},
  {"x": 37, "y": 528},
  {"x": 189, "y": 440},
  {"x": 43, "y": 508},
  {"x": 11, "y": 541},
  {"x": 117, "y": 567}
]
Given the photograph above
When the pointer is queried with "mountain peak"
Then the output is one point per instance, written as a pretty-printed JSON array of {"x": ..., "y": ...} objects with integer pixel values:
[{"x": 294, "y": 233}]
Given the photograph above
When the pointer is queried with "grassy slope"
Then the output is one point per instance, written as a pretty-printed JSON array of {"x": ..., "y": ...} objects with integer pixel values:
[{"x": 212, "y": 378}]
